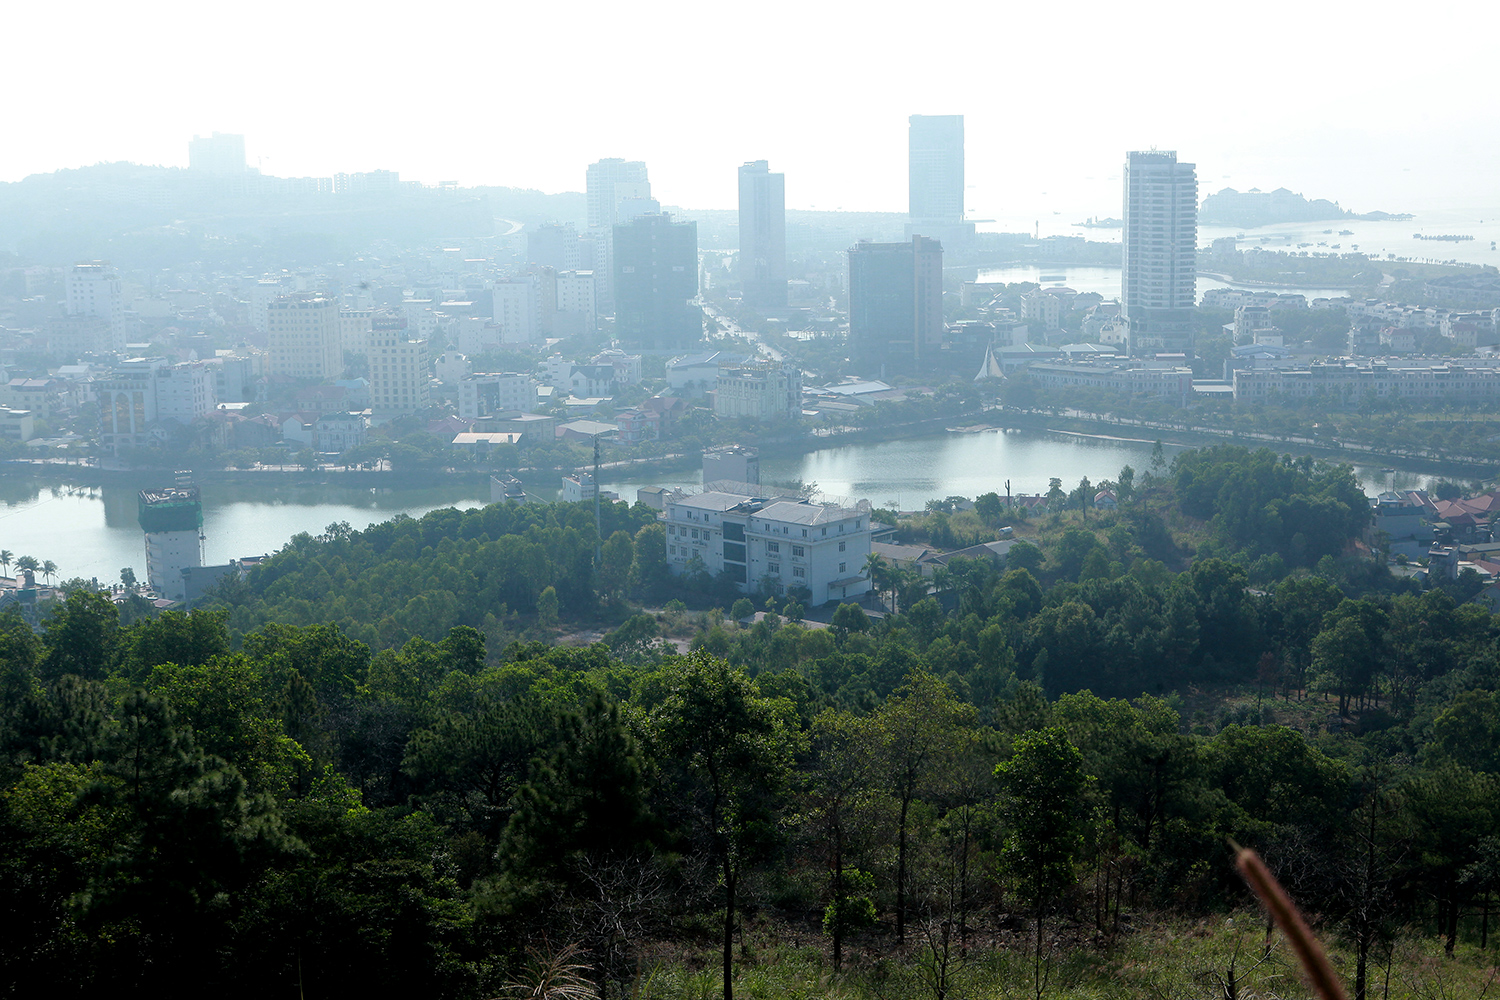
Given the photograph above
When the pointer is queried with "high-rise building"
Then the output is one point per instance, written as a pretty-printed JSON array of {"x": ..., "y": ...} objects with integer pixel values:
[
  {"x": 219, "y": 153},
  {"x": 94, "y": 289},
  {"x": 656, "y": 273},
  {"x": 306, "y": 338},
  {"x": 172, "y": 518},
  {"x": 399, "y": 371},
  {"x": 1159, "y": 281},
  {"x": 610, "y": 185},
  {"x": 762, "y": 236},
  {"x": 607, "y": 183},
  {"x": 556, "y": 246},
  {"x": 935, "y": 178},
  {"x": 895, "y": 303}
]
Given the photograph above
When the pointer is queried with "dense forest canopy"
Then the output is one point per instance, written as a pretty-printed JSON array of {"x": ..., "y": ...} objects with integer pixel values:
[{"x": 370, "y": 767}]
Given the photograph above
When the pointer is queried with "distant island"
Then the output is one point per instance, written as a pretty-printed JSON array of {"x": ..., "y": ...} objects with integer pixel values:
[{"x": 1266, "y": 208}]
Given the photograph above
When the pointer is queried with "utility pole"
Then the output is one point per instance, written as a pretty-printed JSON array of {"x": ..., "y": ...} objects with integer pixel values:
[
  {"x": 1007, "y": 495},
  {"x": 598, "y": 520}
]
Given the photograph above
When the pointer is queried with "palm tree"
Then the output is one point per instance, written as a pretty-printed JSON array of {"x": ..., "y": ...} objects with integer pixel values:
[
  {"x": 877, "y": 571},
  {"x": 28, "y": 564},
  {"x": 48, "y": 569},
  {"x": 5, "y": 557}
]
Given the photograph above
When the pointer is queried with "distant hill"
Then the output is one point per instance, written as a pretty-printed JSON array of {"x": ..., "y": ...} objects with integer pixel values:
[{"x": 1267, "y": 208}]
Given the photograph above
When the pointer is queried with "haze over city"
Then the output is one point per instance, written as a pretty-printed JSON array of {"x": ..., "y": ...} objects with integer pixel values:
[{"x": 1376, "y": 107}]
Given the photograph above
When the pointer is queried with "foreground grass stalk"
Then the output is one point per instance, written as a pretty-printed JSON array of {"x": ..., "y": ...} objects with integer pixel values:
[{"x": 1304, "y": 943}]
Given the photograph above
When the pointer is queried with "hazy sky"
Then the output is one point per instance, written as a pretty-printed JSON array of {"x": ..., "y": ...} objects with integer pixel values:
[{"x": 1376, "y": 104}]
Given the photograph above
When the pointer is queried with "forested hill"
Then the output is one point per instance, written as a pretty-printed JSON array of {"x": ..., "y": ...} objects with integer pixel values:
[{"x": 369, "y": 769}]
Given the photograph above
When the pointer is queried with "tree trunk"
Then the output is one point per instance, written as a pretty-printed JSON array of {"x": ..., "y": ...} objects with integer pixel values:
[
  {"x": 900, "y": 873},
  {"x": 728, "y": 929}
]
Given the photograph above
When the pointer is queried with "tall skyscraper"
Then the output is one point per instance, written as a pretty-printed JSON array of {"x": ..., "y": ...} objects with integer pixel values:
[
  {"x": 305, "y": 338},
  {"x": 762, "y": 236},
  {"x": 656, "y": 273},
  {"x": 895, "y": 304},
  {"x": 219, "y": 153},
  {"x": 610, "y": 185},
  {"x": 935, "y": 180},
  {"x": 1159, "y": 282}
]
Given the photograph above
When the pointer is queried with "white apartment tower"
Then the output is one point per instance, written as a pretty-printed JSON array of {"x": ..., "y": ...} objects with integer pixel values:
[
  {"x": 399, "y": 371},
  {"x": 94, "y": 289},
  {"x": 305, "y": 337},
  {"x": 1159, "y": 283}
]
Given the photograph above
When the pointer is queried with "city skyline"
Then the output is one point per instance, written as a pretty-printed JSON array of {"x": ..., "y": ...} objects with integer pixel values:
[{"x": 1427, "y": 139}]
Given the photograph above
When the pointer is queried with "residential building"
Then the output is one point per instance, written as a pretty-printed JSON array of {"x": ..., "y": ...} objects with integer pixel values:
[
  {"x": 732, "y": 463},
  {"x": 765, "y": 391},
  {"x": 763, "y": 543},
  {"x": 94, "y": 289},
  {"x": 935, "y": 150},
  {"x": 354, "y": 329},
  {"x": 576, "y": 311},
  {"x": 1159, "y": 279},
  {"x": 76, "y": 336},
  {"x": 337, "y": 433},
  {"x": 17, "y": 425},
  {"x": 1348, "y": 384},
  {"x": 636, "y": 426},
  {"x": 556, "y": 246},
  {"x": 627, "y": 367},
  {"x": 762, "y": 260},
  {"x": 518, "y": 308},
  {"x": 486, "y": 394},
  {"x": 185, "y": 392},
  {"x": 399, "y": 369},
  {"x": 1173, "y": 383},
  {"x": 895, "y": 303},
  {"x": 656, "y": 274},
  {"x": 306, "y": 340},
  {"x": 262, "y": 294},
  {"x": 172, "y": 518},
  {"x": 580, "y": 488}
]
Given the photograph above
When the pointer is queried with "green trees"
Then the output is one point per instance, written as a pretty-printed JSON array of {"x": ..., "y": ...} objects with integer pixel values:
[
  {"x": 82, "y": 636},
  {"x": 916, "y": 734},
  {"x": 1044, "y": 784},
  {"x": 730, "y": 751}
]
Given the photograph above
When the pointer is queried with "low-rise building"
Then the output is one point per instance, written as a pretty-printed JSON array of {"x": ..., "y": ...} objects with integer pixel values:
[
  {"x": 485, "y": 394},
  {"x": 769, "y": 544},
  {"x": 1348, "y": 383},
  {"x": 1136, "y": 378},
  {"x": 337, "y": 433},
  {"x": 759, "y": 392}
]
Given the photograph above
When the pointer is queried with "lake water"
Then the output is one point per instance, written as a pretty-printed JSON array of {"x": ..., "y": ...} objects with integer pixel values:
[
  {"x": 94, "y": 533},
  {"x": 1106, "y": 281}
]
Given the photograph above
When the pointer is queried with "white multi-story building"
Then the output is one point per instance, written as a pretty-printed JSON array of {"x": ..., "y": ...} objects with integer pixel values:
[
  {"x": 1349, "y": 383},
  {"x": 75, "y": 336},
  {"x": 127, "y": 403},
  {"x": 1159, "y": 241},
  {"x": 354, "y": 329},
  {"x": 336, "y": 433},
  {"x": 576, "y": 296},
  {"x": 482, "y": 395},
  {"x": 609, "y": 184},
  {"x": 186, "y": 391},
  {"x": 94, "y": 289},
  {"x": 400, "y": 376},
  {"x": 518, "y": 304},
  {"x": 759, "y": 392},
  {"x": 1162, "y": 381},
  {"x": 305, "y": 338},
  {"x": 770, "y": 544},
  {"x": 262, "y": 294}
]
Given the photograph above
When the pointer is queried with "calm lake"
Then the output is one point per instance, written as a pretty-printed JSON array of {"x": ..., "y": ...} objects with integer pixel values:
[{"x": 93, "y": 532}]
